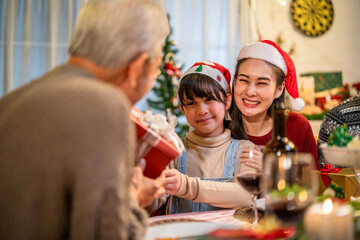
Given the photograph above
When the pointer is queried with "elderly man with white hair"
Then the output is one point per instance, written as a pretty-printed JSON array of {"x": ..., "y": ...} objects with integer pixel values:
[{"x": 67, "y": 146}]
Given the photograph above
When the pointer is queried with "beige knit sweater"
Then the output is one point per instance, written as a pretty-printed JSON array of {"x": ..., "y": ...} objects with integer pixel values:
[
  {"x": 206, "y": 159},
  {"x": 66, "y": 153}
]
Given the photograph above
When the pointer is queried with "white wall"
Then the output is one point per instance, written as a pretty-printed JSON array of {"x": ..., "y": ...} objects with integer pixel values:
[{"x": 336, "y": 50}]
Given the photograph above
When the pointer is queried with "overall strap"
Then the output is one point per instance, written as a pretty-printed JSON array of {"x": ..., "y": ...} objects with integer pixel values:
[
  {"x": 230, "y": 158},
  {"x": 182, "y": 159},
  {"x": 180, "y": 205}
]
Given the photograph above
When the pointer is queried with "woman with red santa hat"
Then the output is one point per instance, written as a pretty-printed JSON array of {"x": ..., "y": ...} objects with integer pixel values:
[{"x": 262, "y": 73}]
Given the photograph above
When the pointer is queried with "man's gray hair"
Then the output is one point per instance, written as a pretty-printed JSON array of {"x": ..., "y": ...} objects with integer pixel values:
[{"x": 111, "y": 33}]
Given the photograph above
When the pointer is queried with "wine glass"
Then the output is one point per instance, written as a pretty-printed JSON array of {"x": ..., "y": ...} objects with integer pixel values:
[
  {"x": 289, "y": 185},
  {"x": 248, "y": 177}
]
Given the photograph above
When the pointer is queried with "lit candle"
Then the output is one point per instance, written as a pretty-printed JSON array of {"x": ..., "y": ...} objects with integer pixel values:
[{"x": 329, "y": 220}]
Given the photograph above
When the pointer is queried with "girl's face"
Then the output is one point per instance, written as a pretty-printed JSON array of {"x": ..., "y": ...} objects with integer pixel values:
[
  {"x": 255, "y": 88},
  {"x": 206, "y": 116}
]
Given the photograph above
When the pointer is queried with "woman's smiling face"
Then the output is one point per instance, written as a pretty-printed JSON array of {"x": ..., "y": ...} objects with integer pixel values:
[{"x": 255, "y": 87}]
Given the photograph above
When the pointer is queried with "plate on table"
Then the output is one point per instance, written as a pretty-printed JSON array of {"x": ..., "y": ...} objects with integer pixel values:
[{"x": 178, "y": 230}]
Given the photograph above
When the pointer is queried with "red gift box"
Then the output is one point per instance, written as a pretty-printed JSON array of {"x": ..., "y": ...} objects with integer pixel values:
[
  {"x": 162, "y": 152},
  {"x": 344, "y": 177}
]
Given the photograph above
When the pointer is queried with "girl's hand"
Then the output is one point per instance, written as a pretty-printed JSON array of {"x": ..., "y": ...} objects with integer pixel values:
[
  {"x": 256, "y": 160},
  {"x": 172, "y": 181}
]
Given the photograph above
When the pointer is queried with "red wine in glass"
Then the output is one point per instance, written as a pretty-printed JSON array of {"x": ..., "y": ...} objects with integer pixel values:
[
  {"x": 288, "y": 212},
  {"x": 248, "y": 177},
  {"x": 251, "y": 182}
]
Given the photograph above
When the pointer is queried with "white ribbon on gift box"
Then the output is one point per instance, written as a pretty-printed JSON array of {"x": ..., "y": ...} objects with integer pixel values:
[
  {"x": 158, "y": 125},
  {"x": 149, "y": 140}
]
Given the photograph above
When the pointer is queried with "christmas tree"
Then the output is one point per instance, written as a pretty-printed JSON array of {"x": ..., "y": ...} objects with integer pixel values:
[{"x": 166, "y": 86}]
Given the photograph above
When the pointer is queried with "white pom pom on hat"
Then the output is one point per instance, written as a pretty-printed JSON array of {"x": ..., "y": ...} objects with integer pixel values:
[
  {"x": 297, "y": 104},
  {"x": 270, "y": 52}
]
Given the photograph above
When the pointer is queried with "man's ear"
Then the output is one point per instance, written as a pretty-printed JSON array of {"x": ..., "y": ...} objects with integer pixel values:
[
  {"x": 280, "y": 90},
  {"x": 136, "y": 68},
  {"x": 228, "y": 101}
]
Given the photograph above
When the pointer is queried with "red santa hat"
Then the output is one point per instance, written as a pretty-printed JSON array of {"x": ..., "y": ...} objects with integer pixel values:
[
  {"x": 217, "y": 72},
  {"x": 268, "y": 51}
]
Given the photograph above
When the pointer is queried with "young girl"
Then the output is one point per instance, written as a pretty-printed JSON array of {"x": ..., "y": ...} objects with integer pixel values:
[{"x": 203, "y": 177}]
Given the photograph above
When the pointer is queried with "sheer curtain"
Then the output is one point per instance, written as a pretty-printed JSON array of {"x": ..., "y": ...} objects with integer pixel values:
[
  {"x": 34, "y": 36},
  {"x": 212, "y": 30}
]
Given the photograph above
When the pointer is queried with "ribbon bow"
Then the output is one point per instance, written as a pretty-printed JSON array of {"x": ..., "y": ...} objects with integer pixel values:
[
  {"x": 159, "y": 124},
  {"x": 328, "y": 168}
]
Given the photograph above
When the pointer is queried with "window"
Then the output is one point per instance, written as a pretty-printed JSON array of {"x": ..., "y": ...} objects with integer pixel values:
[
  {"x": 34, "y": 36},
  {"x": 205, "y": 30}
]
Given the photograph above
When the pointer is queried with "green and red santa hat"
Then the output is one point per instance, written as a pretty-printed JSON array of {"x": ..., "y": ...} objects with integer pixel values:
[
  {"x": 217, "y": 72},
  {"x": 270, "y": 52}
]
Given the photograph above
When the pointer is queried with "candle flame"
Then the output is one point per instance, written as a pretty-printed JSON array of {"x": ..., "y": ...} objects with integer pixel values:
[{"x": 327, "y": 206}]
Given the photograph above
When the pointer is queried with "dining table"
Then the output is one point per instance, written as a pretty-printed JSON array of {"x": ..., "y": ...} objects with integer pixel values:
[
  {"x": 193, "y": 225},
  {"x": 231, "y": 224},
  {"x": 219, "y": 224}
]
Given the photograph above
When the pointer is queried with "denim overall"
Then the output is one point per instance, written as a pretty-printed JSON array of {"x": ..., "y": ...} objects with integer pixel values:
[{"x": 180, "y": 205}]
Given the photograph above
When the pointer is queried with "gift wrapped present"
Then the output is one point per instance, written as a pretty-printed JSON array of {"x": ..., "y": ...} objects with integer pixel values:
[
  {"x": 158, "y": 143},
  {"x": 344, "y": 177}
]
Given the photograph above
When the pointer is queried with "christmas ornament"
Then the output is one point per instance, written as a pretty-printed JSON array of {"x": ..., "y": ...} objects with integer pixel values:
[
  {"x": 166, "y": 86},
  {"x": 339, "y": 191},
  {"x": 340, "y": 137}
]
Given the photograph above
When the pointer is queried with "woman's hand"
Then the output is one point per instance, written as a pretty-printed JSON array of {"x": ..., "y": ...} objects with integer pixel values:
[
  {"x": 256, "y": 160},
  {"x": 172, "y": 181}
]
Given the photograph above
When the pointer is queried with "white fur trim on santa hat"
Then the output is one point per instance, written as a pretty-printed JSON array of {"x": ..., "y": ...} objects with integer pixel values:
[
  {"x": 297, "y": 104},
  {"x": 209, "y": 71},
  {"x": 263, "y": 51}
]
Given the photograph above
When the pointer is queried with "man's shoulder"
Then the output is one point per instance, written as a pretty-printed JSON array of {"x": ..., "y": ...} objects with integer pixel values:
[
  {"x": 348, "y": 106},
  {"x": 343, "y": 112},
  {"x": 76, "y": 81},
  {"x": 67, "y": 88}
]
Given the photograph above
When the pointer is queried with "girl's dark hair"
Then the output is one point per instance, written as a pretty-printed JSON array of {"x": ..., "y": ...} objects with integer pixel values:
[
  {"x": 201, "y": 86},
  {"x": 237, "y": 126}
]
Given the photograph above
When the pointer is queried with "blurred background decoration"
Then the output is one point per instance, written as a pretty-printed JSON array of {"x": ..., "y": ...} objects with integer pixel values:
[
  {"x": 165, "y": 98},
  {"x": 34, "y": 36}
]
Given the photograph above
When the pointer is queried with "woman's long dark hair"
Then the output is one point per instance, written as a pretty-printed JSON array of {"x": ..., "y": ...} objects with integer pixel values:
[{"x": 237, "y": 126}]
